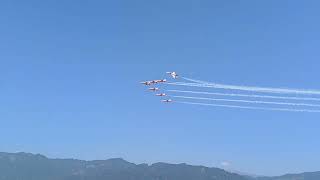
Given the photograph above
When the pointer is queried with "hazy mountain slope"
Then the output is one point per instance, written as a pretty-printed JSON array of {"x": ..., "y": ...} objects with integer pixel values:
[
  {"x": 24, "y": 166},
  {"x": 302, "y": 176}
]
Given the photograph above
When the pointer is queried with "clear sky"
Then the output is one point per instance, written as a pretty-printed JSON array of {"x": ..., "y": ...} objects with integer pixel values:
[{"x": 69, "y": 78}]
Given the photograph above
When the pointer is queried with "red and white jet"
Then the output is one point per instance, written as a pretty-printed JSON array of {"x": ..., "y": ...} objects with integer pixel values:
[
  {"x": 173, "y": 74},
  {"x": 158, "y": 81},
  {"x": 153, "y": 89},
  {"x": 154, "y": 81},
  {"x": 147, "y": 83},
  {"x": 167, "y": 100},
  {"x": 161, "y": 80},
  {"x": 161, "y": 94}
]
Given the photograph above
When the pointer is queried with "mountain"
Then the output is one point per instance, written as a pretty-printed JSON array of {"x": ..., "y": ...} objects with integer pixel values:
[
  {"x": 242, "y": 173},
  {"x": 26, "y": 166},
  {"x": 302, "y": 176}
]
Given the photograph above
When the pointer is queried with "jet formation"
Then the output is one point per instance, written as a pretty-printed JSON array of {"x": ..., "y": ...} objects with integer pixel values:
[
  {"x": 234, "y": 96},
  {"x": 174, "y": 75}
]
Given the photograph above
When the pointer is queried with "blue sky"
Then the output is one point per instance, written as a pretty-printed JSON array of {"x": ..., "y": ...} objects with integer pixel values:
[{"x": 69, "y": 73}]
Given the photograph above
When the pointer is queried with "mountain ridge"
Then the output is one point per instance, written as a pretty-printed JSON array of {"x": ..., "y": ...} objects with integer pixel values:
[{"x": 28, "y": 166}]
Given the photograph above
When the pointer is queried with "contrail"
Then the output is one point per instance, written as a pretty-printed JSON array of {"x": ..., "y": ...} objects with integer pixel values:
[
  {"x": 249, "y": 88},
  {"x": 247, "y": 95},
  {"x": 248, "y": 101},
  {"x": 194, "y": 80},
  {"x": 250, "y": 107}
]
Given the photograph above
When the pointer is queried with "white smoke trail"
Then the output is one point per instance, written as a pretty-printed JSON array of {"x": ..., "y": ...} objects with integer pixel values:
[
  {"x": 248, "y": 101},
  {"x": 249, "y": 88},
  {"x": 194, "y": 80},
  {"x": 250, "y": 107},
  {"x": 248, "y": 95}
]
